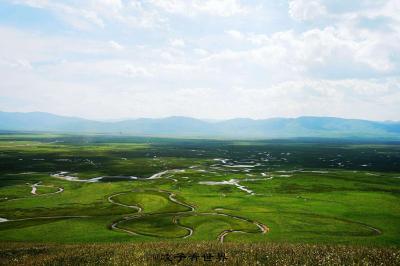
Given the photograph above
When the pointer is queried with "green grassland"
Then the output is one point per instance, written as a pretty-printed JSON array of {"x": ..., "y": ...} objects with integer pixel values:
[{"x": 93, "y": 189}]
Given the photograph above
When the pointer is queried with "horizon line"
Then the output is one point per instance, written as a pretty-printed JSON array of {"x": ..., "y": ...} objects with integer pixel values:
[{"x": 210, "y": 120}]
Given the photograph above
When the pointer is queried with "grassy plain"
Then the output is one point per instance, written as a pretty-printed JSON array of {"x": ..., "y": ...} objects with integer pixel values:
[{"x": 102, "y": 189}]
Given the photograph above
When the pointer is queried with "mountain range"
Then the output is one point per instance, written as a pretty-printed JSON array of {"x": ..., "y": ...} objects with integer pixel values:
[{"x": 176, "y": 126}]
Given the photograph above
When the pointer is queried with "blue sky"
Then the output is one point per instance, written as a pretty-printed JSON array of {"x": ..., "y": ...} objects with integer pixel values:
[{"x": 219, "y": 59}]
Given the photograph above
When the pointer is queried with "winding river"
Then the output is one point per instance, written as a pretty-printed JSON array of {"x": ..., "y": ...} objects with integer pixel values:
[{"x": 176, "y": 215}]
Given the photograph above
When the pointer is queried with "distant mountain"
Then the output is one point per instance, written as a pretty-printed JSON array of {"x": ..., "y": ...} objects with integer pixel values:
[{"x": 240, "y": 128}]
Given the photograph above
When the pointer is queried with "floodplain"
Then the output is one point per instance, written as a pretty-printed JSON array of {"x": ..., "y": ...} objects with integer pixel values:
[{"x": 70, "y": 189}]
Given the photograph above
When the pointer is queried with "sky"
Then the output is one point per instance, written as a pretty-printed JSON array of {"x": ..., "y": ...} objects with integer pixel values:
[{"x": 210, "y": 59}]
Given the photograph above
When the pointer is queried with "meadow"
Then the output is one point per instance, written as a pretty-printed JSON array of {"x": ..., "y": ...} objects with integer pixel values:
[{"x": 77, "y": 190}]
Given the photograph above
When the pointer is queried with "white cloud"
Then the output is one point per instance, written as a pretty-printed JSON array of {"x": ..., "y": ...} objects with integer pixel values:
[
  {"x": 82, "y": 17},
  {"x": 135, "y": 71},
  {"x": 235, "y": 34},
  {"x": 328, "y": 49},
  {"x": 303, "y": 10},
  {"x": 200, "y": 52},
  {"x": 222, "y": 8},
  {"x": 132, "y": 55},
  {"x": 85, "y": 15},
  {"x": 346, "y": 98},
  {"x": 177, "y": 43},
  {"x": 16, "y": 63},
  {"x": 115, "y": 45}
]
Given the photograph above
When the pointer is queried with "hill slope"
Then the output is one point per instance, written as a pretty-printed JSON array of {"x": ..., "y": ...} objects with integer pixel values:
[{"x": 189, "y": 127}]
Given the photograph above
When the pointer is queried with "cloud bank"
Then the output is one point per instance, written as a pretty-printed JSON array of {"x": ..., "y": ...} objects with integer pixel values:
[{"x": 206, "y": 59}]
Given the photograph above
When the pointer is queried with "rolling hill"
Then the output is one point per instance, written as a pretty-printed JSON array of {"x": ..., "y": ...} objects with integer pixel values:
[{"x": 239, "y": 128}]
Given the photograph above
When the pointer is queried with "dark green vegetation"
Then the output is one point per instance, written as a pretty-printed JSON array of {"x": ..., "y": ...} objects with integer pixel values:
[{"x": 85, "y": 189}]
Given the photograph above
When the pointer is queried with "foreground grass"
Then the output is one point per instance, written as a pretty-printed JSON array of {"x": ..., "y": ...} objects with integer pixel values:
[{"x": 200, "y": 253}]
